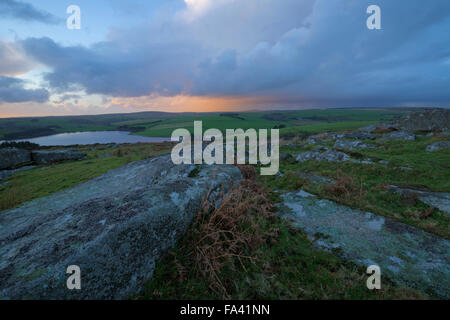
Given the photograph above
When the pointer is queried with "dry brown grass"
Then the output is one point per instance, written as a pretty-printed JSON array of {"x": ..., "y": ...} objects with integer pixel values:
[
  {"x": 420, "y": 214},
  {"x": 226, "y": 233},
  {"x": 383, "y": 130},
  {"x": 345, "y": 187}
]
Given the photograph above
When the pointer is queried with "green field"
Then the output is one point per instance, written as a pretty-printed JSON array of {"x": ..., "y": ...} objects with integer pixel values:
[{"x": 158, "y": 124}]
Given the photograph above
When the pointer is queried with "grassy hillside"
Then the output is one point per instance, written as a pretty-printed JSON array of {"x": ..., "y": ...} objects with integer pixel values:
[{"x": 158, "y": 124}]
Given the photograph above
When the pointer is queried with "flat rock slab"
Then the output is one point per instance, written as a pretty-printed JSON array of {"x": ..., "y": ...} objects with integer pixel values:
[
  {"x": 409, "y": 256},
  {"x": 352, "y": 145},
  {"x": 438, "y": 146},
  {"x": 438, "y": 200},
  {"x": 399, "y": 135},
  {"x": 314, "y": 178},
  {"x": 329, "y": 155},
  {"x": 114, "y": 227}
]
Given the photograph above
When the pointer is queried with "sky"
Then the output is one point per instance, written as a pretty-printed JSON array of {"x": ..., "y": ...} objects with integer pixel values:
[{"x": 221, "y": 55}]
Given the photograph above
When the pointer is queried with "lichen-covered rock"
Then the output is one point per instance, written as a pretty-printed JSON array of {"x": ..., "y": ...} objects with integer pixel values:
[
  {"x": 429, "y": 120},
  {"x": 325, "y": 136},
  {"x": 13, "y": 157},
  {"x": 361, "y": 135},
  {"x": 114, "y": 227},
  {"x": 438, "y": 200},
  {"x": 352, "y": 145},
  {"x": 407, "y": 255},
  {"x": 321, "y": 148},
  {"x": 438, "y": 146},
  {"x": 4, "y": 174},
  {"x": 49, "y": 156},
  {"x": 373, "y": 128},
  {"x": 363, "y": 161},
  {"x": 399, "y": 135},
  {"x": 314, "y": 178},
  {"x": 444, "y": 134},
  {"x": 329, "y": 155}
]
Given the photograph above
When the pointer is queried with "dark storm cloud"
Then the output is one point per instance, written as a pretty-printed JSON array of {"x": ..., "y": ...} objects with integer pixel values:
[
  {"x": 108, "y": 69},
  {"x": 12, "y": 90}
]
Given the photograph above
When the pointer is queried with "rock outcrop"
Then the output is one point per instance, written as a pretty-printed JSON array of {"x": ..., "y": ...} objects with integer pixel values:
[
  {"x": 407, "y": 255},
  {"x": 352, "y": 145},
  {"x": 50, "y": 156},
  {"x": 325, "y": 136},
  {"x": 114, "y": 227},
  {"x": 13, "y": 157},
  {"x": 438, "y": 200},
  {"x": 429, "y": 120},
  {"x": 314, "y": 178},
  {"x": 399, "y": 135},
  {"x": 329, "y": 155},
  {"x": 380, "y": 127},
  {"x": 444, "y": 133},
  {"x": 361, "y": 135},
  {"x": 438, "y": 146}
]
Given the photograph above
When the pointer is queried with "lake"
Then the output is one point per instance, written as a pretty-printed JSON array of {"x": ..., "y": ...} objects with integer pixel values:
[{"x": 92, "y": 137}]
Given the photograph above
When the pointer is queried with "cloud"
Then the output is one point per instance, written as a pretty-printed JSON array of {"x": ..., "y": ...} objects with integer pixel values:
[
  {"x": 12, "y": 90},
  {"x": 66, "y": 97},
  {"x": 13, "y": 60},
  {"x": 113, "y": 68},
  {"x": 313, "y": 52},
  {"x": 26, "y": 12}
]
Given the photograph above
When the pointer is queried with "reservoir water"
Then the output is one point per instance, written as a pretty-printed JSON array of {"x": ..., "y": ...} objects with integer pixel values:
[{"x": 92, "y": 137}]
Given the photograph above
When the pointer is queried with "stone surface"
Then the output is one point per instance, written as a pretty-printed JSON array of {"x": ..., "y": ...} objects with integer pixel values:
[
  {"x": 408, "y": 256},
  {"x": 325, "y": 136},
  {"x": 321, "y": 148},
  {"x": 444, "y": 134},
  {"x": 13, "y": 157},
  {"x": 438, "y": 200},
  {"x": 399, "y": 135},
  {"x": 314, "y": 178},
  {"x": 49, "y": 156},
  {"x": 379, "y": 127},
  {"x": 114, "y": 227},
  {"x": 361, "y": 135},
  {"x": 438, "y": 146},
  {"x": 429, "y": 120},
  {"x": 5, "y": 174},
  {"x": 364, "y": 161},
  {"x": 286, "y": 156},
  {"x": 329, "y": 155},
  {"x": 352, "y": 145}
]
